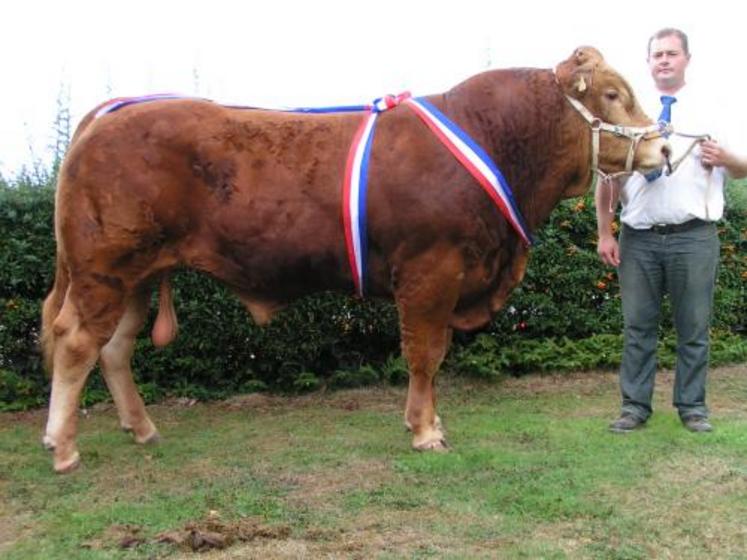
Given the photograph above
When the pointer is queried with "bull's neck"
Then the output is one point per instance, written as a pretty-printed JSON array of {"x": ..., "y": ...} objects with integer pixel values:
[{"x": 535, "y": 138}]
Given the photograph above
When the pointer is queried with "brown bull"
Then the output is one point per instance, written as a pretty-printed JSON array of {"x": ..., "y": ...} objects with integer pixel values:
[{"x": 253, "y": 198}]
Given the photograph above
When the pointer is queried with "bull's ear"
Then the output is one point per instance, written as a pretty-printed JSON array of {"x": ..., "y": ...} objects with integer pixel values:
[
  {"x": 580, "y": 84},
  {"x": 574, "y": 82},
  {"x": 575, "y": 73}
]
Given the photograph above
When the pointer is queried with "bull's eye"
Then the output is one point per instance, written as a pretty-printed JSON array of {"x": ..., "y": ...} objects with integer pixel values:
[{"x": 611, "y": 95}]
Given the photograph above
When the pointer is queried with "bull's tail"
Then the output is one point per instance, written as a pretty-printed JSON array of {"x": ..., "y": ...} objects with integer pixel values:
[
  {"x": 51, "y": 309},
  {"x": 55, "y": 299},
  {"x": 166, "y": 326}
]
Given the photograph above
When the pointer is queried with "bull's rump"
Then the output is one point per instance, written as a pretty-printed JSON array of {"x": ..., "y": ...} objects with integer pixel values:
[{"x": 250, "y": 196}]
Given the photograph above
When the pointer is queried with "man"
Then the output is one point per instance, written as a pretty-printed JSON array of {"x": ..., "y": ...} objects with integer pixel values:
[{"x": 669, "y": 243}]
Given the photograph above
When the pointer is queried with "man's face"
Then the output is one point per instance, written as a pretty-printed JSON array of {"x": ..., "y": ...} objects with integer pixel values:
[{"x": 667, "y": 62}]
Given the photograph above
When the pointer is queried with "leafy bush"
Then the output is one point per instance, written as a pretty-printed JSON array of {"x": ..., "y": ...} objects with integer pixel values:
[{"x": 565, "y": 315}]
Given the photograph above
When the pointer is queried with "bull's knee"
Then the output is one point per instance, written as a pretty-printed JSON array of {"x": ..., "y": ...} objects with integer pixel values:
[{"x": 76, "y": 350}]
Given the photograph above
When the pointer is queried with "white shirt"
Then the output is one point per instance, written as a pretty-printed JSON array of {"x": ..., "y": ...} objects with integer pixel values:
[{"x": 692, "y": 191}]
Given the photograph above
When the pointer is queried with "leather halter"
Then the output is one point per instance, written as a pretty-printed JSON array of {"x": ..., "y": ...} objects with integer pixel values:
[{"x": 634, "y": 133}]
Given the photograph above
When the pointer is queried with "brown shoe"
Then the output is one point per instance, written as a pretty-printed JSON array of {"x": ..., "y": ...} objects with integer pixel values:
[
  {"x": 626, "y": 423},
  {"x": 697, "y": 424}
]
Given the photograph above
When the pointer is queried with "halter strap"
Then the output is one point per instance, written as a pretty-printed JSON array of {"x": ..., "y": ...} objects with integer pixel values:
[{"x": 634, "y": 133}]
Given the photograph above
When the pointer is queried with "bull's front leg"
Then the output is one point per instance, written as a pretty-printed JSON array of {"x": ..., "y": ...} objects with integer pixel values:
[
  {"x": 424, "y": 347},
  {"x": 427, "y": 292}
]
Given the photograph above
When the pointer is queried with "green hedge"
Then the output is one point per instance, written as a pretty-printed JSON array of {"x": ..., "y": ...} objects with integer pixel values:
[{"x": 565, "y": 315}]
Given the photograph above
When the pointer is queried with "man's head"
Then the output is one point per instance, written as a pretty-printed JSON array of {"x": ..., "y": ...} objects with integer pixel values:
[{"x": 668, "y": 57}]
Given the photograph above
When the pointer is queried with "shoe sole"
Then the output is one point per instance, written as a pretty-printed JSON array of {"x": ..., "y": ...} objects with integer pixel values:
[
  {"x": 699, "y": 427},
  {"x": 699, "y": 431},
  {"x": 616, "y": 430}
]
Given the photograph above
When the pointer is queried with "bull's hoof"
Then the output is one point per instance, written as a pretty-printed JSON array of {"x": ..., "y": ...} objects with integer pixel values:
[
  {"x": 146, "y": 434},
  {"x": 65, "y": 466},
  {"x": 48, "y": 443},
  {"x": 430, "y": 440},
  {"x": 438, "y": 445},
  {"x": 153, "y": 438}
]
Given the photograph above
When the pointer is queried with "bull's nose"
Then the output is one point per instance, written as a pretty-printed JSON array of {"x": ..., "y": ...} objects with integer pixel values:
[{"x": 666, "y": 150}]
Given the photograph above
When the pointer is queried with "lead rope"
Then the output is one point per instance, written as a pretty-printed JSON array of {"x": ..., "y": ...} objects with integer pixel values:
[
  {"x": 607, "y": 180},
  {"x": 697, "y": 139}
]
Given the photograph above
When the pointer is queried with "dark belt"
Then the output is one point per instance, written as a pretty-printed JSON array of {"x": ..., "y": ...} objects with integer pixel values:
[{"x": 665, "y": 229}]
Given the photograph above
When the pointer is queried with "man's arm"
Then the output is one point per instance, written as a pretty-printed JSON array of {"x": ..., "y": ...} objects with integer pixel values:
[
  {"x": 712, "y": 153},
  {"x": 605, "y": 201}
]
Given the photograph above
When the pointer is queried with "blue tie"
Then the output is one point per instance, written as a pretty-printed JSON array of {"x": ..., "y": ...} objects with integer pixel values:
[
  {"x": 666, "y": 108},
  {"x": 666, "y": 116}
]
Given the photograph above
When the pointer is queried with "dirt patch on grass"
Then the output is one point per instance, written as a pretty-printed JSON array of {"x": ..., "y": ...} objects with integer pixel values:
[
  {"x": 319, "y": 488},
  {"x": 213, "y": 533},
  {"x": 379, "y": 398},
  {"x": 399, "y": 534},
  {"x": 252, "y": 401},
  {"x": 195, "y": 536},
  {"x": 726, "y": 389},
  {"x": 579, "y": 383},
  {"x": 117, "y": 536},
  {"x": 375, "y": 399},
  {"x": 8, "y": 533}
]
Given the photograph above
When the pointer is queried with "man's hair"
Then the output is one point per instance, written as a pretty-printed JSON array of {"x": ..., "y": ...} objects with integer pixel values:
[{"x": 668, "y": 32}]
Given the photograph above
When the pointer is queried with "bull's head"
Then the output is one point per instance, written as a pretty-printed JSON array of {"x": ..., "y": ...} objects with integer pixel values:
[{"x": 623, "y": 137}]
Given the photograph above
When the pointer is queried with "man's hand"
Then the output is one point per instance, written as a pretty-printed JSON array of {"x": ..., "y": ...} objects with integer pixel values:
[
  {"x": 609, "y": 250},
  {"x": 714, "y": 154}
]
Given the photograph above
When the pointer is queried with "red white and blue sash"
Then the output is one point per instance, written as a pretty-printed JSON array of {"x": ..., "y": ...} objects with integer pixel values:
[
  {"x": 355, "y": 186},
  {"x": 475, "y": 160},
  {"x": 465, "y": 150},
  {"x": 354, "y": 191},
  {"x": 355, "y": 183},
  {"x": 119, "y": 102}
]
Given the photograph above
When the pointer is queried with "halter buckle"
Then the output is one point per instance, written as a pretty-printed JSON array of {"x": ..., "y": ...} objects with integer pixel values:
[{"x": 665, "y": 128}]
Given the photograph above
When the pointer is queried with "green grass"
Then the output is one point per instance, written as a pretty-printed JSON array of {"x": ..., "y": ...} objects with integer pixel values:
[{"x": 533, "y": 474}]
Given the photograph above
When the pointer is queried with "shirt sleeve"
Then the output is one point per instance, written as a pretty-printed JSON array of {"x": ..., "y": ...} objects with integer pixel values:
[{"x": 730, "y": 128}]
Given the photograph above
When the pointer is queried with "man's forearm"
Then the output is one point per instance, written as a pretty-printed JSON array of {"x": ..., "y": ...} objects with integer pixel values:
[
  {"x": 735, "y": 166},
  {"x": 605, "y": 203}
]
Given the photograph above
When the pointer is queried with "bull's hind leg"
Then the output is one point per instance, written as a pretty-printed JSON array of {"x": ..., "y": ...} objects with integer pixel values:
[
  {"x": 80, "y": 330},
  {"x": 115, "y": 363},
  {"x": 427, "y": 291}
]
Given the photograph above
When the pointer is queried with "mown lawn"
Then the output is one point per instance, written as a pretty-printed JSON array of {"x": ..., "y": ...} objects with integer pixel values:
[{"x": 533, "y": 473}]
